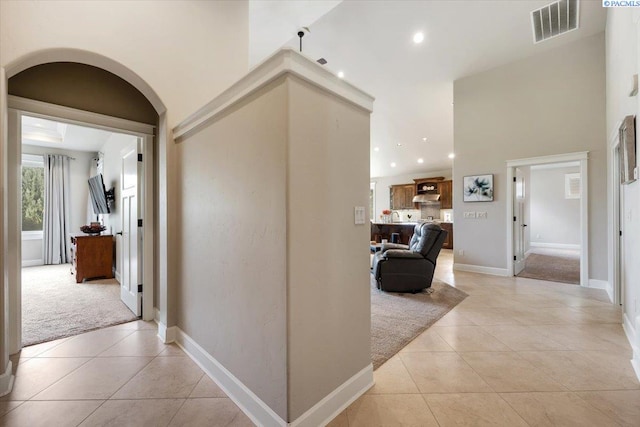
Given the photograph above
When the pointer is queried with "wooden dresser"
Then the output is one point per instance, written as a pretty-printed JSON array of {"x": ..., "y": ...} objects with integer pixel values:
[{"x": 92, "y": 257}]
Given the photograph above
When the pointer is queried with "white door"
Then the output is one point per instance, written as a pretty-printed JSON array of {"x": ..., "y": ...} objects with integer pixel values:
[
  {"x": 130, "y": 247},
  {"x": 518, "y": 222}
]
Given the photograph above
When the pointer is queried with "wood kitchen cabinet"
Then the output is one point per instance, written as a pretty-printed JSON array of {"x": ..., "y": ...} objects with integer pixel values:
[
  {"x": 446, "y": 195},
  {"x": 401, "y": 196},
  {"x": 92, "y": 257},
  {"x": 448, "y": 243}
]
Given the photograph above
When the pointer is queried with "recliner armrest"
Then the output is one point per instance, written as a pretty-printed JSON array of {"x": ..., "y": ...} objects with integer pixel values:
[
  {"x": 402, "y": 253},
  {"x": 387, "y": 246}
]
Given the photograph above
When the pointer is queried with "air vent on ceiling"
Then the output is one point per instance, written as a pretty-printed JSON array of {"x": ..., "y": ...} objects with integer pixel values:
[{"x": 554, "y": 19}]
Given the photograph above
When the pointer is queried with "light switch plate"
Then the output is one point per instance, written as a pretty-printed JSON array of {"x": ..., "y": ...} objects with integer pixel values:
[
  {"x": 481, "y": 215},
  {"x": 359, "y": 215},
  {"x": 469, "y": 214}
]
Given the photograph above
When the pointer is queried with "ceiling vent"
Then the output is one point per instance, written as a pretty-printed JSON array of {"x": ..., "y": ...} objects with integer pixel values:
[{"x": 554, "y": 19}]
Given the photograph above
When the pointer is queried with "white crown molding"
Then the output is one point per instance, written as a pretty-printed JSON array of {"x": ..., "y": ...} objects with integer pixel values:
[
  {"x": 284, "y": 62},
  {"x": 481, "y": 269}
]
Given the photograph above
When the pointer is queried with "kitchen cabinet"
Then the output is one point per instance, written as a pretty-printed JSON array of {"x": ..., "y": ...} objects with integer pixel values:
[
  {"x": 446, "y": 195},
  {"x": 448, "y": 243},
  {"x": 383, "y": 231},
  {"x": 401, "y": 196}
]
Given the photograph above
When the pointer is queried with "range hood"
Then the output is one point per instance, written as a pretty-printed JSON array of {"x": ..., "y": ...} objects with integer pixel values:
[{"x": 426, "y": 198}]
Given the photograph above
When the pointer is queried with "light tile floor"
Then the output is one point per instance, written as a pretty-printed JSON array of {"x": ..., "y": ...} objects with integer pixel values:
[{"x": 516, "y": 352}]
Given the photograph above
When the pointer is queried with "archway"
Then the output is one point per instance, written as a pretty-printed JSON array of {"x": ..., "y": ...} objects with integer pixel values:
[{"x": 10, "y": 264}]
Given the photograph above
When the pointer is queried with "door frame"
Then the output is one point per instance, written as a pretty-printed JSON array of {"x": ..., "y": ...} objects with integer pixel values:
[
  {"x": 616, "y": 198},
  {"x": 17, "y": 107},
  {"x": 582, "y": 157}
]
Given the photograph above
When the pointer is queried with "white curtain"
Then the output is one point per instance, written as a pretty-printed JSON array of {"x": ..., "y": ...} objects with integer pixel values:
[{"x": 57, "y": 204}]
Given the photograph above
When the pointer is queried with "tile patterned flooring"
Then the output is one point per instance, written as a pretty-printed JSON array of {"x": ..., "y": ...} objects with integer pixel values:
[{"x": 516, "y": 352}]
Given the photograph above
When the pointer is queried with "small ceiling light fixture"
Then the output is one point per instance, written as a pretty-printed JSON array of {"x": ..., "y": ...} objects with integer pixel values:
[
  {"x": 393, "y": 164},
  {"x": 399, "y": 144},
  {"x": 421, "y": 160},
  {"x": 424, "y": 139},
  {"x": 376, "y": 149},
  {"x": 418, "y": 37},
  {"x": 341, "y": 74},
  {"x": 451, "y": 156}
]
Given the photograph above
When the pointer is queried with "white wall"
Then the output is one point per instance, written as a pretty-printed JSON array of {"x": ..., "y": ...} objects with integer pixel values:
[
  {"x": 623, "y": 42},
  {"x": 112, "y": 165},
  {"x": 384, "y": 182},
  {"x": 554, "y": 219},
  {"x": 79, "y": 174},
  {"x": 551, "y": 103}
]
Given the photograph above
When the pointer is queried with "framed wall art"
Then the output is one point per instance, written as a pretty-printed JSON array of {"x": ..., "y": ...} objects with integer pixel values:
[{"x": 478, "y": 188}]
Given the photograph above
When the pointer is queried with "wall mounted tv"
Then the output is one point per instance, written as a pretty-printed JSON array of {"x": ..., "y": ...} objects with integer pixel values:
[{"x": 101, "y": 199}]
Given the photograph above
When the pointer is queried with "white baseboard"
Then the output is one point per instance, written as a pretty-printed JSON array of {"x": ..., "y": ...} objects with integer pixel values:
[
  {"x": 632, "y": 336},
  {"x": 32, "y": 262},
  {"x": 601, "y": 284},
  {"x": 6, "y": 380},
  {"x": 258, "y": 411},
  {"x": 117, "y": 275},
  {"x": 554, "y": 245},
  {"x": 481, "y": 269},
  {"x": 337, "y": 401},
  {"x": 167, "y": 335}
]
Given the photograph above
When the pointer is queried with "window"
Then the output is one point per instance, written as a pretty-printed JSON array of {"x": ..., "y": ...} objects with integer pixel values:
[{"x": 32, "y": 193}]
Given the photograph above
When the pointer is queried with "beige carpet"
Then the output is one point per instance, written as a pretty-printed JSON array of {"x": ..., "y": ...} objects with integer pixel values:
[
  {"x": 396, "y": 319},
  {"x": 554, "y": 268},
  {"x": 55, "y": 306}
]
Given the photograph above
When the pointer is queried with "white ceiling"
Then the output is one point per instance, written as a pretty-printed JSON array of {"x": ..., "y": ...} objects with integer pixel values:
[
  {"x": 51, "y": 134},
  {"x": 371, "y": 42}
]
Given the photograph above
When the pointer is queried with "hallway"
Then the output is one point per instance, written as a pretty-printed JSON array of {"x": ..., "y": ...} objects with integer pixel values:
[{"x": 516, "y": 352}]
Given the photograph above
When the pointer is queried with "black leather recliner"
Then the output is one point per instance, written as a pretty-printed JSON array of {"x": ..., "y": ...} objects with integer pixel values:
[{"x": 409, "y": 268}]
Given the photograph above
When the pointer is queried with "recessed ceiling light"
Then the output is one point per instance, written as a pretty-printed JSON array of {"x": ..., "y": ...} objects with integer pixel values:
[
  {"x": 421, "y": 160},
  {"x": 424, "y": 139},
  {"x": 341, "y": 74},
  {"x": 451, "y": 156},
  {"x": 376, "y": 149},
  {"x": 393, "y": 164},
  {"x": 399, "y": 144},
  {"x": 418, "y": 37}
]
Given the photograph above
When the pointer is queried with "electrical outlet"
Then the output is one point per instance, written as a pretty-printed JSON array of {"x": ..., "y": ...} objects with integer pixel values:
[
  {"x": 481, "y": 215},
  {"x": 538, "y": 236},
  {"x": 461, "y": 252},
  {"x": 469, "y": 214}
]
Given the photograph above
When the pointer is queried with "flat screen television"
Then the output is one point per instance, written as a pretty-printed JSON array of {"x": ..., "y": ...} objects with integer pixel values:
[{"x": 99, "y": 195}]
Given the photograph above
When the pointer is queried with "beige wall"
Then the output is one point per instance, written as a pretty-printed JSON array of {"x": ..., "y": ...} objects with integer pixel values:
[
  {"x": 552, "y": 103},
  {"x": 273, "y": 273},
  {"x": 623, "y": 36},
  {"x": 231, "y": 248},
  {"x": 85, "y": 88},
  {"x": 328, "y": 264}
]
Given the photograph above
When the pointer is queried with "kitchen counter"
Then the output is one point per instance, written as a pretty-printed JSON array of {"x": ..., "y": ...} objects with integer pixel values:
[{"x": 383, "y": 230}]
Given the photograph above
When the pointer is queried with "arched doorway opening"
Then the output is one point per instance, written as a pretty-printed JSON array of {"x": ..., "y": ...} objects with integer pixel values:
[{"x": 11, "y": 264}]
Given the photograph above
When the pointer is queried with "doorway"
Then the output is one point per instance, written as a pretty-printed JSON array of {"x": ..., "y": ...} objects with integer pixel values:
[
  {"x": 99, "y": 155},
  {"x": 547, "y": 218}
]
